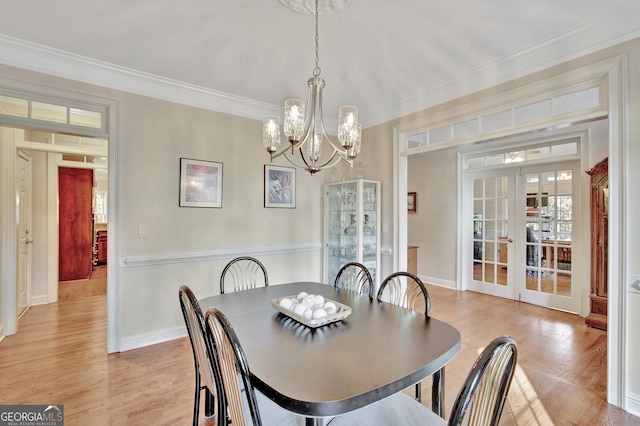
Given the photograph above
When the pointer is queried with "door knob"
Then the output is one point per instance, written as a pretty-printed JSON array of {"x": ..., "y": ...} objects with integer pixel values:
[{"x": 28, "y": 242}]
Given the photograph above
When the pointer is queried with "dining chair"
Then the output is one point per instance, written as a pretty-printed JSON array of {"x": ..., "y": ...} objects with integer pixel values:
[
  {"x": 205, "y": 379},
  {"x": 408, "y": 291},
  {"x": 244, "y": 404},
  {"x": 243, "y": 273},
  {"x": 480, "y": 400},
  {"x": 356, "y": 277}
]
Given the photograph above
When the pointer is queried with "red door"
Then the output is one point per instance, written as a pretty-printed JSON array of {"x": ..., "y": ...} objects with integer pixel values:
[{"x": 75, "y": 223}]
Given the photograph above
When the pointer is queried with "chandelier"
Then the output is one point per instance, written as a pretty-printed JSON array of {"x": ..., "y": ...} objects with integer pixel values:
[{"x": 306, "y": 131}]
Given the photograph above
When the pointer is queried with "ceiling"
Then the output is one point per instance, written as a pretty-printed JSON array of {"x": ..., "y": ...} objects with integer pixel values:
[{"x": 387, "y": 58}]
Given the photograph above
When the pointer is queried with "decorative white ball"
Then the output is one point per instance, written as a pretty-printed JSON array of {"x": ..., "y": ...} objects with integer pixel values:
[
  {"x": 301, "y": 295},
  {"x": 319, "y": 314},
  {"x": 308, "y": 313},
  {"x": 299, "y": 309},
  {"x": 330, "y": 305},
  {"x": 285, "y": 303},
  {"x": 309, "y": 300}
]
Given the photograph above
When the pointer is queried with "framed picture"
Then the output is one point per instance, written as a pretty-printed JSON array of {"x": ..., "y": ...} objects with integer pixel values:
[
  {"x": 200, "y": 183},
  {"x": 412, "y": 202},
  {"x": 279, "y": 186}
]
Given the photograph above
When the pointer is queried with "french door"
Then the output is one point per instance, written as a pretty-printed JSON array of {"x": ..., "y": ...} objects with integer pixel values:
[
  {"x": 491, "y": 205},
  {"x": 552, "y": 270},
  {"x": 524, "y": 234}
]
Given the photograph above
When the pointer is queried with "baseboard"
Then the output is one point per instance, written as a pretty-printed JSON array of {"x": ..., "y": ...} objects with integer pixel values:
[
  {"x": 39, "y": 300},
  {"x": 142, "y": 340},
  {"x": 437, "y": 281},
  {"x": 633, "y": 404}
]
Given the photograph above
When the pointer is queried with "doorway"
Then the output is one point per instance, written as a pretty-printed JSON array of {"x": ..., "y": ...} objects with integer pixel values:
[{"x": 523, "y": 241}]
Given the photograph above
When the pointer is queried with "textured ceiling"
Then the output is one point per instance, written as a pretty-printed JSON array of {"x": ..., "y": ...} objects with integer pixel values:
[{"x": 387, "y": 58}]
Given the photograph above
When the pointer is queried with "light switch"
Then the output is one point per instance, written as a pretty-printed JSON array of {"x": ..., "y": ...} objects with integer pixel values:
[{"x": 143, "y": 231}]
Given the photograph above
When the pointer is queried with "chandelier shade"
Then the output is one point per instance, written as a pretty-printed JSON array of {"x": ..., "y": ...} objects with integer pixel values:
[{"x": 303, "y": 124}]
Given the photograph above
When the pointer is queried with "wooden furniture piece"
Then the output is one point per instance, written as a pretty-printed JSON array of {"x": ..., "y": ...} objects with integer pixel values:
[
  {"x": 243, "y": 273},
  {"x": 230, "y": 369},
  {"x": 479, "y": 402},
  {"x": 205, "y": 378},
  {"x": 331, "y": 370},
  {"x": 355, "y": 276},
  {"x": 599, "y": 244},
  {"x": 101, "y": 248},
  {"x": 412, "y": 260},
  {"x": 406, "y": 290}
]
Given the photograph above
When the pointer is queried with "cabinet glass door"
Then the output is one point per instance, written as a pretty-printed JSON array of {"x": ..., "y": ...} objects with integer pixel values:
[
  {"x": 370, "y": 234},
  {"x": 351, "y": 226}
]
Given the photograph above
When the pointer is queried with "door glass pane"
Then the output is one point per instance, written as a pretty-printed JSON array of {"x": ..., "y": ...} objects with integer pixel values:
[{"x": 549, "y": 219}]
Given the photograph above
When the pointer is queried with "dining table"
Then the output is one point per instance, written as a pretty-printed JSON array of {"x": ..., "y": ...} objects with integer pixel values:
[{"x": 379, "y": 349}]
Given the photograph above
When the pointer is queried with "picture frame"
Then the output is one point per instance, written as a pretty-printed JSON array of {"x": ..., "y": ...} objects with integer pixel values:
[
  {"x": 412, "y": 202},
  {"x": 279, "y": 187},
  {"x": 200, "y": 183}
]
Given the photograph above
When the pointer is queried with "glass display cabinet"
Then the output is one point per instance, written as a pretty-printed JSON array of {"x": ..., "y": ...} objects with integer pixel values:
[{"x": 351, "y": 226}]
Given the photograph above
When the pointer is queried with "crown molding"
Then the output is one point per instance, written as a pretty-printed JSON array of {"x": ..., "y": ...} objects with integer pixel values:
[
  {"x": 582, "y": 41},
  {"x": 35, "y": 57}
]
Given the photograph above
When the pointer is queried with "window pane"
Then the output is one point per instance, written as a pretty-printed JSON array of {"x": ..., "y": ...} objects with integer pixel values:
[
  {"x": 83, "y": 117},
  {"x": 48, "y": 112},
  {"x": 14, "y": 106}
]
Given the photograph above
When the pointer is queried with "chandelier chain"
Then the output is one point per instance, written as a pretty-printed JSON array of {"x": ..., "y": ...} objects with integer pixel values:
[{"x": 316, "y": 70}]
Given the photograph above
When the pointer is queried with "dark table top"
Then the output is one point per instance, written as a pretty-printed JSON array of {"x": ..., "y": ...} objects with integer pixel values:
[{"x": 378, "y": 350}]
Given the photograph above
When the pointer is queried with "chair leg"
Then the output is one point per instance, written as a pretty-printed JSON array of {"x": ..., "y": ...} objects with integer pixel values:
[
  {"x": 196, "y": 400},
  {"x": 437, "y": 393},
  {"x": 209, "y": 404},
  {"x": 419, "y": 392}
]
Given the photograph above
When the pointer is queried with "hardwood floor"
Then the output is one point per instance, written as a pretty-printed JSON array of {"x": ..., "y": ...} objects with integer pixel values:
[
  {"x": 94, "y": 285},
  {"x": 59, "y": 357}
]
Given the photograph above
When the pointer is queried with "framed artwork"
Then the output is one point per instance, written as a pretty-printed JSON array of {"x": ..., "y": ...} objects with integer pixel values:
[
  {"x": 412, "y": 202},
  {"x": 200, "y": 183},
  {"x": 279, "y": 186}
]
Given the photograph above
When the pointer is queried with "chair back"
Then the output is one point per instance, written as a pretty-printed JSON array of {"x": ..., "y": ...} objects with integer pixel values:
[
  {"x": 195, "y": 327},
  {"x": 406, "y": 290},
  {"x": 243, "y": 273},
  {"x": 482, "y": 397},
  {"x": 356, "y": 277},
  {"x": 226, "y": 350}
]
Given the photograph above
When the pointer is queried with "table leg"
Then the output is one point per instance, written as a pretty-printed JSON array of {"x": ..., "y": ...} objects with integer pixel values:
[
  {"x": 437, "y": 393},
  {"x": 313, "y": 421}
]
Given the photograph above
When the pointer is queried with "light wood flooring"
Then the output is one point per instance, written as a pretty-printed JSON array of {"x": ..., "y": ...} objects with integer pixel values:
[
  {"x": 94, "y": 285},
  {"x": 59, "y": 357}
]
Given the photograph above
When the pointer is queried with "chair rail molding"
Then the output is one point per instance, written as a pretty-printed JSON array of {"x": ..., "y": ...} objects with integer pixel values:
[{"x": 204, "y": 256}]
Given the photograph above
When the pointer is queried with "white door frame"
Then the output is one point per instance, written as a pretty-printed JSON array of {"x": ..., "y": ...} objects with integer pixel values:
[
  {"x": 615, "y": 72},
  {"x": 7, "y": 201}
]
